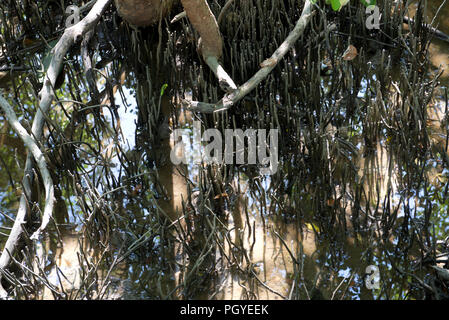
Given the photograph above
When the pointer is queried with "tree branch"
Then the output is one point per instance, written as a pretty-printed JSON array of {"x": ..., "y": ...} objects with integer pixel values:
[
  {"x": 211, "y": 43},
  {"x": 40, "y": 160},
  {"x": 46, "y": 96},
  {"x": 224, "y": 80},
  {"x": 267, "y": 66}
]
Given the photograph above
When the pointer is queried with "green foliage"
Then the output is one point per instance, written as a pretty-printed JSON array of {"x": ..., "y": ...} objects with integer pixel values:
[
  {"x": 163, "y": 89},
  {"x": 338, "y": 4},
  {"x": 368, "y": 3}
]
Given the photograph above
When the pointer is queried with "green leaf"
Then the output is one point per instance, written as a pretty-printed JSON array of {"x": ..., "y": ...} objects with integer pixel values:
[
  {"x": 336, "y": 5},
  {"x": 368, "y": 3},
  {"x": 163, "y": 89}
]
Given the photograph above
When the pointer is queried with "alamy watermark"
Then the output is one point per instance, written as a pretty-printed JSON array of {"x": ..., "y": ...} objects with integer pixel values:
[
  {"x": 372, "y": 280},
  {"x": 256, "y": 151},
  {"x": 373, "y": 20},
  {"x": 74, "y": 16}
]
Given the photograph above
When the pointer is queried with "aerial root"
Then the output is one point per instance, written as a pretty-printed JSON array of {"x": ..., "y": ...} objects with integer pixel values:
[{"x": 266, "y": 67}]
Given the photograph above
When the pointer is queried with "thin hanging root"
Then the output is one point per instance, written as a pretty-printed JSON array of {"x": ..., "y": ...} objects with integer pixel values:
[
  {"x": 437, "y": 33},
  {"x": 266, "y": 67},
  {"x": 223, "y": 11}
]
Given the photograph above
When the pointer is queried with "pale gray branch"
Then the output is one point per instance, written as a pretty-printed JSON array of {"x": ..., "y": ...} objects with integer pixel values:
[
  {"x": 178, "y": 17},
  {"x": 224, "y": 80}
]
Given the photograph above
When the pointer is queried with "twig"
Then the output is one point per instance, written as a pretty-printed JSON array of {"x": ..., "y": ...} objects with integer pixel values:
[
  {"x": 338, "y": 287},
  {"x": 267, "y": 287},
  {"x": 285, "y": 245},
  {"x": 178, "y": 17},
  {"x": 438, "y": 34},
  {"x": 267, "y": 66}
]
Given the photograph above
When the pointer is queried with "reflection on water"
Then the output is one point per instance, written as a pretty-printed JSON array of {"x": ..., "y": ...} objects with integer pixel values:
[
  {"x": 438, "y": 50},
  {"x": 361, "y": 181}
]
